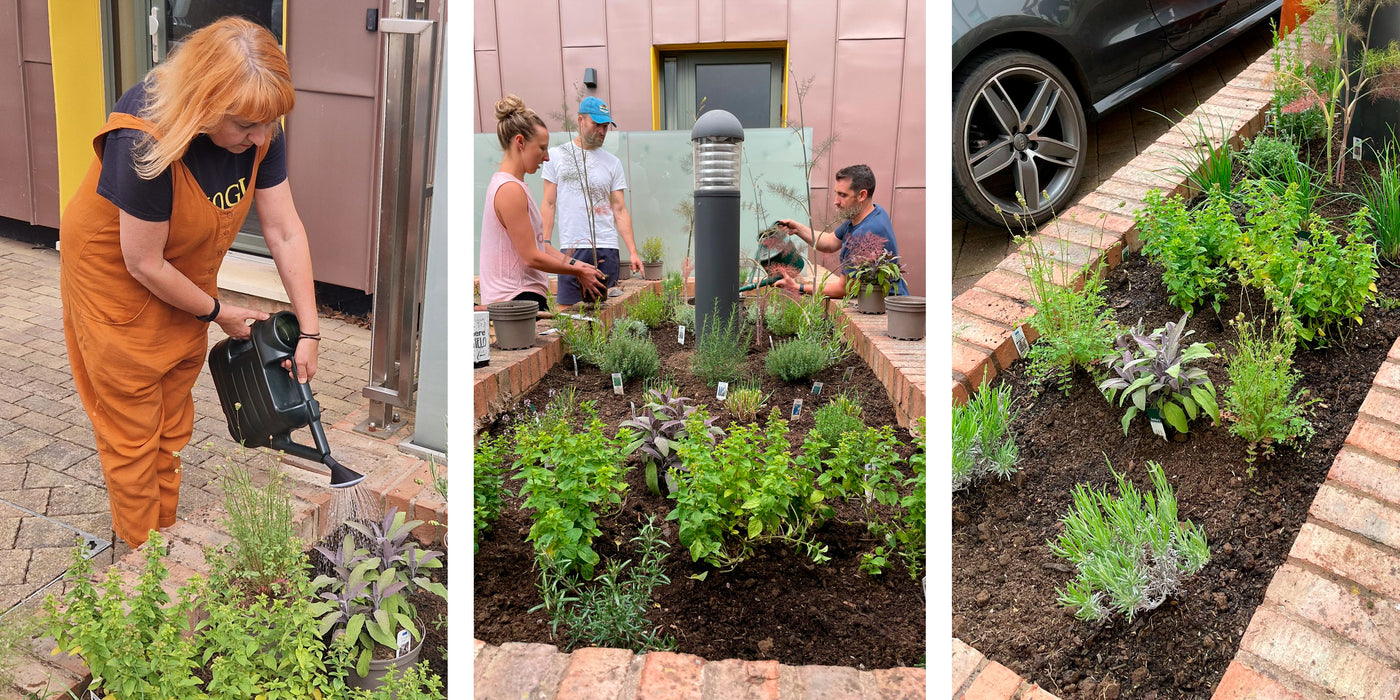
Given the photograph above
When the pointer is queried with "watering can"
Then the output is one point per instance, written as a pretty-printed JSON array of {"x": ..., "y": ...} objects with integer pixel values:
[
  {"x": 781, "y": 251},
  {"x": 263, "y": 402}
]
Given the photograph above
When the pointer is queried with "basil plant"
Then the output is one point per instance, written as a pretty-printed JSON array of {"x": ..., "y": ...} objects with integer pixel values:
[{"x": 1151, "y": 371}]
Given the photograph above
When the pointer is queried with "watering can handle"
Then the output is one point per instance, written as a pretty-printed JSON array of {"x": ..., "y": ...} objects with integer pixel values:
[{"x": 322, "y": 450}]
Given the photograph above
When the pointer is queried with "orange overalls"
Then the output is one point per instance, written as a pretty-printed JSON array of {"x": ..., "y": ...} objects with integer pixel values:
[{"x": 135, "y": 358}]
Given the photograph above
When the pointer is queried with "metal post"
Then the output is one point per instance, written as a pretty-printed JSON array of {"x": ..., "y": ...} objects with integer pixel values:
[
  {"x": 410, "y": 77},
  {"x": 716, "y": 138}
]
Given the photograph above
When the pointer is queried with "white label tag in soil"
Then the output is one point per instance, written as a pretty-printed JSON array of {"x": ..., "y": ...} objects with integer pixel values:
[
  {"x": 796, "y": 408},
  {"x": 575, "y": 364},
  {"x": 849, "y": 371},
  {"x": 869, "y": 471},
  {"x": 1018, "y": 337},
  {"x": 404, "y": 640},
  {"x": 670, "y": 482},
  {"x": 816, "y": 388},
  {"x": 680, "y": 335},
  {"x": 722, "y": 392},
  {"x": 617, "y": 383},
  {"x": 1155, "y": 419},
  {"x": 633, "y": 404}
]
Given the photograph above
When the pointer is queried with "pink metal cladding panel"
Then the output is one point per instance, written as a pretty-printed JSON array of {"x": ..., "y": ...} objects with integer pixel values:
[
  {"x": 872, "y": 19},
  {"x": 334, "y": 184},
  {"x": 869, "y": 75},
  {"x": 484, "y": 24},
  {"x": 43, "y": 143},
  {"x": 584, "y": 22},
  {"x": 629, "y": 62},
  {"x": 338, "y": 57},
  {"x": 575, "y": 60},
  {"x": 812, "y": 54},
  {"x": 674, "y": 22},
  {"x": 529, "y": 55},
  {"x": 710, "y": 21},
  {"x": 488, "y": 89},
  {"x": 14, "y": 141},
  {"x": 910, "y": 156},
  {"x": 34, "y": 31},
  {"x": 909, "y": 215},
  {"x": 755, "y": 20}
]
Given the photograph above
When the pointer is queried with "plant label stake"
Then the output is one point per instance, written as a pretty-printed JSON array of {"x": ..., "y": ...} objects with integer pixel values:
[
  {"x": 670, "y": 482},
  {"x": 849, "y": 371},
  {"x": 1154, "y": 417},
  {"x": 680, "y": 335},
  {"x": 617, "y": 383},
  {"x": 1356, "y": 142},
  {"x": 869, "y": 471},
  {"x": 722, "y": 392},
  {"x": 575, "y": 364},
  {"x": 817, "y": 389},
  {"x": 1018, "y": 337},
  {"x": 796, "y": 408},
  {"x": 404, "y": 640},
  {"x": 770, "y": 342},
  {"x": 633, "y": 404}
]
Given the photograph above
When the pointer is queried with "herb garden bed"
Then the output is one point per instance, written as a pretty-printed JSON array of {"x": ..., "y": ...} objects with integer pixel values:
[
  {"x": 1005, "y": 578},
  {"x": 777, "y": 604}
]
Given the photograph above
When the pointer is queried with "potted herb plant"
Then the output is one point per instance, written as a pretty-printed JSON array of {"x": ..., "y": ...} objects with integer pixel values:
[
  {"x": 370, "y": 596},
  {"x": 871, "y": 272},
  {"x": 652, "y": 253}
]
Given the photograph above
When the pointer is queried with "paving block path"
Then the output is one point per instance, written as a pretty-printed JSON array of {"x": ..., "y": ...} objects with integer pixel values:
[
  {"x": 49, "y": 464},
  {"x": 1329, "y": 626}
]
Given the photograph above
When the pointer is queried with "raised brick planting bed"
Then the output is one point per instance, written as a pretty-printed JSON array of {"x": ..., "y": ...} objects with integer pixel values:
[
  {"x": 1330, "y": 620},
  {"x": 516, "y": 670}
]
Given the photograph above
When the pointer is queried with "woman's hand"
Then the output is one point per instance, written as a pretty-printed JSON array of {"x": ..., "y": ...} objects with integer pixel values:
[
  {"x": 590, "y": 279},
  {"x": 235, "y": 319},
  {"x": 307, "y": 349}
]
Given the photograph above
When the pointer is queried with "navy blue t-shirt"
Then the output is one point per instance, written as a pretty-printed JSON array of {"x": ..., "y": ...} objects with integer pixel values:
[
  {"x": 877, "y": 222},
  {"x": 221, "y": 173}
]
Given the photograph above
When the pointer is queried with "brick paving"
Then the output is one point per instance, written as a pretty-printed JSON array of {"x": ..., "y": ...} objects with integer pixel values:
[
  {"x": 515, "y": 670},
  {"x": 1329, "y": 626},
  {"x": 49, "y": 465},
  {"x": 1112, "y": 142}
]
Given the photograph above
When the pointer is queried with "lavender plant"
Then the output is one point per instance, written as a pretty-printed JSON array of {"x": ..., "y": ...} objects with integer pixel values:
[
  {"x": 1151, "y": 369},
  {"x": 982, "y": 441},
  {"x": 1131, "y": 552}
]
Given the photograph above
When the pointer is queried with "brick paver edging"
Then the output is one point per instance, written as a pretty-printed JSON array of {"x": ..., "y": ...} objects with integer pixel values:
[
  {"x": 542, "y": 672},
  {"x": 1097, "y": 228}
]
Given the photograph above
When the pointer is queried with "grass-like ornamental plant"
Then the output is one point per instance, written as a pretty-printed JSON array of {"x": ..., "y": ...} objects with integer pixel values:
[
  {"x": 796, "y": 359},
  {"x": 650, "y": 308},
  {"x": 572, "y": 476},
  {"x": 586, "y": 339},
  {"x": 660, "y": 424},
  {"x": 1263, "y": 402},
  {"x": 1131, "y": 552},
  {"x": 1152, "y": 371},
  {"x": 611, "y": 610},
  {"x": 745, "y": 401},
  {"x": 982, "y": 440},
  {"x": 1382, "y": 197},
  {"x": 720, "y": 354},
  {"x": 1076, "y": 328},
  {"x": 635, "y": 357}
]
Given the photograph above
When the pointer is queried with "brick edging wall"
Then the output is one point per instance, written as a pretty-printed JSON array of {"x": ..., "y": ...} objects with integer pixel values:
[{"x": 514, "y": 670}]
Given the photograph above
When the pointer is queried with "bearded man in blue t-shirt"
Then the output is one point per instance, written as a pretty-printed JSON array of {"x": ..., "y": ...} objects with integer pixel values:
[{"x": 853, "y": 197}]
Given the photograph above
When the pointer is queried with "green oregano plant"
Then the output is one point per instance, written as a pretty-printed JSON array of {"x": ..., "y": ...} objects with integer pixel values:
[
  {"x": 488, "y": 484},
  {"x": 982, "y": 440},
  {"x": 1263, "y": 402},
  {"x": 1152, "y": 371},
  {"x": 1131, "y": 552},
  {"x": 911, "y": 535},
  {"x": 1192, "y": 247}
]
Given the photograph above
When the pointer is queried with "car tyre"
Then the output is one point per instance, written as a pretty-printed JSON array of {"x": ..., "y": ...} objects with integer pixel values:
[{"x": 1018, "y": 127}]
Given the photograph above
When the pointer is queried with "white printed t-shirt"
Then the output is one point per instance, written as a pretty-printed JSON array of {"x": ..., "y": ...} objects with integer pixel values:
[{"x": 570, "y": 213}]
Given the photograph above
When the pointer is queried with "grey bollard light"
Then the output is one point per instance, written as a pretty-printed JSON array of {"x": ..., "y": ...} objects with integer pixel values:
[{"x": 717, "y": 138}]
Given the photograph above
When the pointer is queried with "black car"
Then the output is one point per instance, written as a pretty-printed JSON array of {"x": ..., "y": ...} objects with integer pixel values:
[{"x": 1027, "y": 74}]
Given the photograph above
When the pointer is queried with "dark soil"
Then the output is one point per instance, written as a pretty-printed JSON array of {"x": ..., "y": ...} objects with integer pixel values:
[
  {"x": 1005, "y": 579},
  {"x": 776, "y": 605}
]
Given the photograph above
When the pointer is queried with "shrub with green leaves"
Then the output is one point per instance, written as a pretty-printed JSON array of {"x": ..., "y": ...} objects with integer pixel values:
[
  {"x": 264, "y": 545},
  {"x": 982, "y": 441},
  {"x": 835, "y": 418},
  {"x": 1131, "y": 552},
  {"x": 1076, "y": 329},
  {"x": 635, "y": 357},
  {"x": 796, "y": 359},
  {"x": 863, "y": 462},
  {"x": 673, "y": 287},
  {"x": 1152, "y": 371},
  {"x": 650, "y": 308},
  {"x": 611, "y": 610},
  {"x": 746, "y": 490},
  {"x": 784, "y": 317},
  {"x": 1268, "y": 155},
  {"x": 683, "y": 314},
  {"x": 571, "y": 477},
  {"x": 1263, "y": 402},
  {"x": 657, "y": 428},
  {"x": 910, "y": 535},
  {"x": 488, "y": 483},
  {"x": 721, "y": 353},
  {"x": 1193, "y": 247}
]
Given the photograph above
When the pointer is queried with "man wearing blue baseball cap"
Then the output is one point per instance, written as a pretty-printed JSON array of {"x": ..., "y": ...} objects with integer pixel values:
[{"x": 584, "y": 191}]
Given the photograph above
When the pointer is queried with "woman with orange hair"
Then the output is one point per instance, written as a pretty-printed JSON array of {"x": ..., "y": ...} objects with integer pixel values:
[{"x": 142, "y": 242}]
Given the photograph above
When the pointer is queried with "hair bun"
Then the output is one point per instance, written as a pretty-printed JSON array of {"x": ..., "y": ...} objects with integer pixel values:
[{"x": 508, "y": 106}]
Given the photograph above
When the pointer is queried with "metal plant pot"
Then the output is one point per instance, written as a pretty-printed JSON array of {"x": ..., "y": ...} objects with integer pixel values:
[
  {"x": 378, "y": 668},
  {"x": 653, "y": 270},
  {"x": 905, "y": 317},
  {"x": 870, "y": 301},
  {"x": 514, "y": 322}
]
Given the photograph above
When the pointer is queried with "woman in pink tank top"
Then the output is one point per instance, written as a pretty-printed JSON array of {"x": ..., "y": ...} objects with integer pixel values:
[{"x": 514, "y": 254}]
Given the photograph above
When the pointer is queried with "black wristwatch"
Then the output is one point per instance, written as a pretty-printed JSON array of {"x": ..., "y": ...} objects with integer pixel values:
[{"x": 212, "y": 314}]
